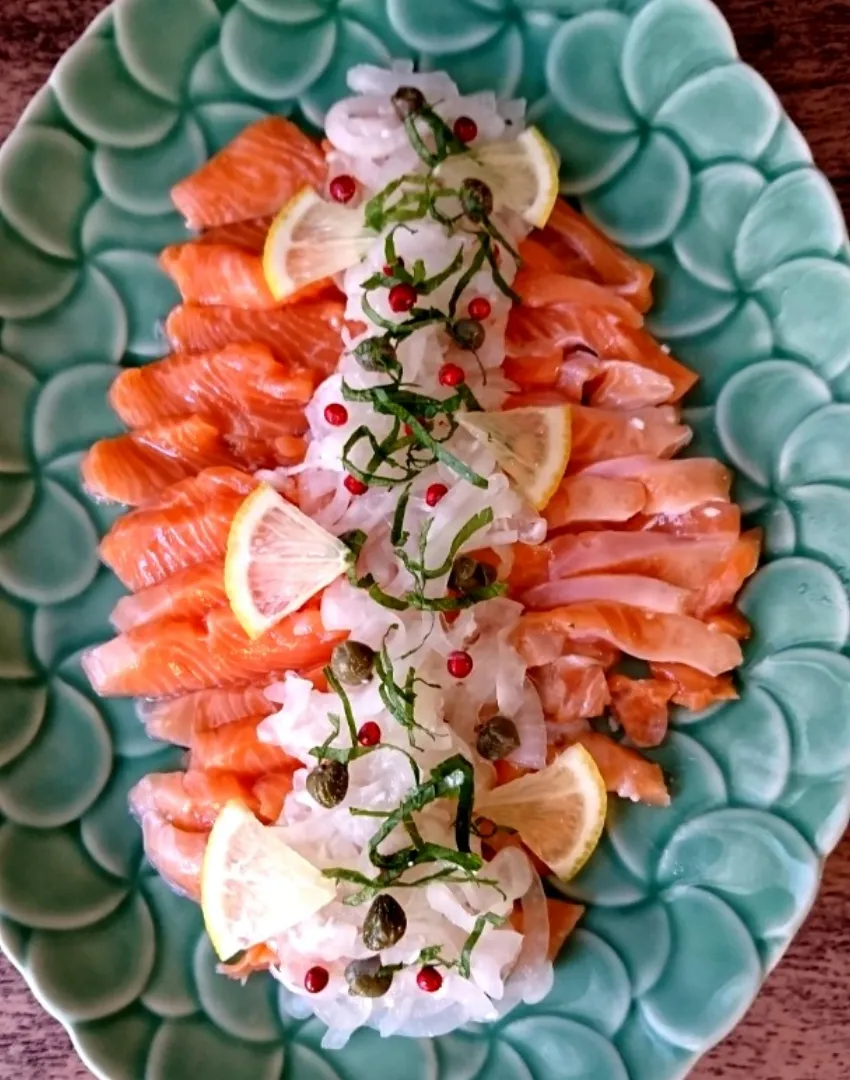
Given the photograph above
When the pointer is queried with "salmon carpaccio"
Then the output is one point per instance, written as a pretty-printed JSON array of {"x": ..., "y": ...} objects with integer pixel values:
[{"x": 644, "y": 557}]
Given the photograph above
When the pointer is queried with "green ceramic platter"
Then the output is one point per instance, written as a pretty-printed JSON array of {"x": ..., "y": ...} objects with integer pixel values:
[{"x": 681, "y": 153}]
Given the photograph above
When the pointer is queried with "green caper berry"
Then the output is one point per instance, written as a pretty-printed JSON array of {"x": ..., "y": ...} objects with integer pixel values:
[
  {"x": 376, "y": 354},
  {"x": 498, "y": 738},
  {"x": 385, "y": 923},
  {"x": 328, "y": 783},
  {"x": 476, "y": 198},
  {"x": 468, "y": 575},
  {"x": 407, "y": 100},
  {"x": 352, "y": 663},
  {"x": 367, "y": 978},
  {"x": 469, "y": 334}
]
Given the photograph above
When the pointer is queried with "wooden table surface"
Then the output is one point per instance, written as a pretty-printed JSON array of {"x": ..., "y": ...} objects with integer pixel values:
[{"x": 799, "y": 1029}]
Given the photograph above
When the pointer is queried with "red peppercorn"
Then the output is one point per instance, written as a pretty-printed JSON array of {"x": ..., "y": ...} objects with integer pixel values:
[
  {"x": 343, "y": 188},
  {"x": 480, "y": 308},
  {"x": 402, "y": 298},
  {"x": 497, "y": 254},
  {"x": 434, "y": 493},
  {"x": 335, "y": 414},
  {"x": 452, "y": 375},
  {"x": 316, "y": 980},
  {"x": 466, "y": 129},
  {"x": 369, "y": 734},
  {"x": 459, "y": 664},
  {"x": 388, "y": 270},
  {"x": 429, "y": 980},
  {"x": 355, "y": 486}
]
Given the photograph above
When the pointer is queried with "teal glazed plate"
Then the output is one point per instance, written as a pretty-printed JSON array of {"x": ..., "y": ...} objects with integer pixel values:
[{"x": 679, "y": 152}]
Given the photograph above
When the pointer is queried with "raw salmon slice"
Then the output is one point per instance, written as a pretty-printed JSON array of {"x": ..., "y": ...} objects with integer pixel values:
[
  {"x": 218, "y": 274},
  {"x": 177, "y": 855},
  {"x": 571, "y": 688},
  {"x": 270, "y": 793},
  {"x": 613, "y": 384},
  {"x": 253, "y": 176},
  {"x": 540, "y": 289},
  {"x": 694, "y": 689},
  {"x": 642, "y": 707},
  {"x": 728, "y": 578},
  {"x": 625, "y": 772},
  {"x": 176, "y": 720},
  {"x": 136, "y": 467},
  {"x": 188, "y": 523},
  {"x": 570, "y": 237},
  {"x": 189, "y": 592},
  {"x": 647, "y": 635},
  {"x": 242, "y": 390},
  {"x": 585, "y": 498},
  {"x": 683, "y": 561},
  {"x": 539, "y": 331},
  {"x": 672, "y": 487},
  {"x": 644, "y": 592},
  {"x": 303, "y": 335},
  {"x": 189, "y": 800},
  {"x": 236, "y": 748},
  {"x": 178, "y": 656},
  {"x": 249, "y": 235}
]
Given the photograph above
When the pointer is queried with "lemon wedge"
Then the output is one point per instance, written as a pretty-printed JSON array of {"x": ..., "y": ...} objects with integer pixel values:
[
  {"x": 532, "y": 445},
  {"x": 558, "y": 812},
  {"x": 277, "y": 558},
  {"x": 311, "y": 240},
  {"x": 522, "y": 174},
  {"x": 254, "y": 886}
]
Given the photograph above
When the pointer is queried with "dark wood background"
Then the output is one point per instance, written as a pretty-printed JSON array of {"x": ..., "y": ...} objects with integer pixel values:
[{"x": 799, "y": 1029}]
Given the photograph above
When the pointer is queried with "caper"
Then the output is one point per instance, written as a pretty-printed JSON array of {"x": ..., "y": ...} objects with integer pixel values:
[
  {"x": 497, "y": 738},
  {"x": 385, "y": 923},
  {"x": 376, "y": 354},
  {"x": 407, "y": 100},
  {"x": 352, "y": 663},
  {"x": 468, "y": 575},
  {"x": 476, "y": 198},
  {"x": 367, "y": 978},
  {"x": 328, "y": 783},
  {"x": 469, "y": 334}
]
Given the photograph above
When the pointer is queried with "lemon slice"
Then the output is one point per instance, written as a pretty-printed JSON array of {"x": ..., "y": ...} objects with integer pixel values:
[
  {"x": 254, "y": 886},
  {"x": 277, "y": 558},
  {"x": 522, "y": 174},
  {"x": 310, "y": 240},
  {"x": 532, "y": 445},
  {"x": 558, "y": 812}
]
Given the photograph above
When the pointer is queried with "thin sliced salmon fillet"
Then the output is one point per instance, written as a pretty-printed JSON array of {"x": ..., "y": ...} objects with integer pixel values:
[
  {"x": 570, "y": 236},
  {"x": 192, "y": 591},
  {"x": 644, "y": 592},
  {"x": 178, "y": 656},
  {"x": 303, "y": 335},
  {"x": 683, "y": 561},
  {"x": 176, "y": 720},
  {"x": 270, "y": 792},
  {"x": 672, "y": 487},
  {"x": 255, "y": 175},
  {"x": 250, "y": 234},
  {"x": 720, "y": 520},
  {"x": 728, "y": 578},
  {"x": 584, "y": 498},
  {"x": 625, "y": 772},
  {"x": 647, "y": 635},
  {"x": 236, "y": 748},
  {"x": 728, "y": 620},
  {"x": 613, "y": 384},
  {"x": 602, "y": 434},
  {"x": 563, "y": 919},
  {"x": 536, "y": 372},
  {"x": 242, "y": 390},
  {"x": 694, "y": 689},
  {"x": 189, "y": 800},
  {"x": 177, "y": 855},
  {"x": 134, "y": 468},
  {"x": 539, "y": 331},
  {"x": 187, "y": 524},
  {"x": 571, "y": 689},
  {"x": 540, "y": 289},
  {"x": 222, "y": 274},
  {"x": 642, "y": 708}
]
